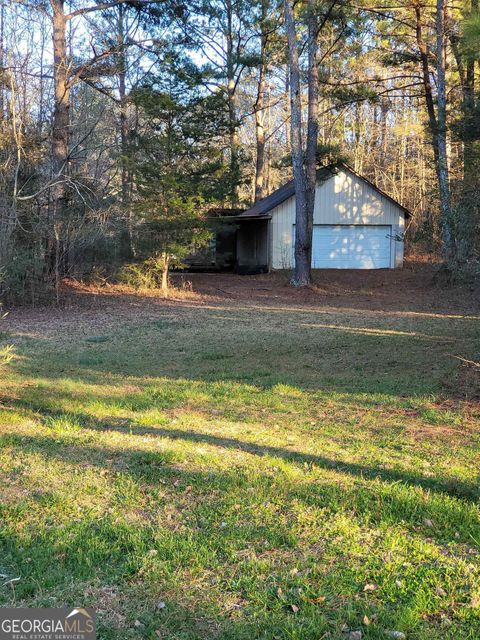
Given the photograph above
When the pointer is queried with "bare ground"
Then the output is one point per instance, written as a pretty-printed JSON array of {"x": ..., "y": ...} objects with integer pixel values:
[{"x": 406, "y": 291}]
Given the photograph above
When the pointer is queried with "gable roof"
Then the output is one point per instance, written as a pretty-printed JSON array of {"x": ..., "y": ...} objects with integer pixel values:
[{"x": 264, "y": 206}]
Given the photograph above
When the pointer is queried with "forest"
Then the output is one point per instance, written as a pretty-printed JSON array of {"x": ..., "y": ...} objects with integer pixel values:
[{"x": 125, "y": 122}]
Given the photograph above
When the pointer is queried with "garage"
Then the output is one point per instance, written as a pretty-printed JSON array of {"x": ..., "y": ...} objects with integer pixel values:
[
  {"x": 355, "y": 224},
  {"x": 351, "y": 247}
]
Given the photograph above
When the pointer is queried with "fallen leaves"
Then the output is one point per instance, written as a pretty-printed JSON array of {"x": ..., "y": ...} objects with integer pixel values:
[{"x": 475, "y": 602}]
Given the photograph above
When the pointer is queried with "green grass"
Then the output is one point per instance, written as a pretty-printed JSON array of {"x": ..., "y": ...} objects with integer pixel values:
[{"x": 252, "y": 468}]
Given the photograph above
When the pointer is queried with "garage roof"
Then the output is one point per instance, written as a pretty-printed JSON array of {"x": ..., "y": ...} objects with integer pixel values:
[{"x": 264, "y": 206}]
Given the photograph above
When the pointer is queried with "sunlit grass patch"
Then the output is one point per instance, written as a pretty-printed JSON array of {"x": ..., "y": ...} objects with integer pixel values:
[{"x": 275, "y": 477}]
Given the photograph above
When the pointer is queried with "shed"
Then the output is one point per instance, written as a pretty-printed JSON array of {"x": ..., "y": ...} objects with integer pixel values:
[{"x": 355, "y": 226}]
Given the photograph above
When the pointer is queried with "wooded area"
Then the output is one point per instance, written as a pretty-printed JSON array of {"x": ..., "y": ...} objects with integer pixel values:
[{"x": 123, "y": 123}]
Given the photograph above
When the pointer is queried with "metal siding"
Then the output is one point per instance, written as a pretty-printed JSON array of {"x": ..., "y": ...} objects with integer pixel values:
[
  {"x": 282, "y": 238},
  {"x": 399, "y": 230},
  {"x": 343, "y": 199}
]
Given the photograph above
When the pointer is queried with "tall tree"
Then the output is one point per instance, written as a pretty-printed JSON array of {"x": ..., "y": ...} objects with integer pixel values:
[
  {"x": 177, "y": 163},
  {"x": 222, "y": 31},
  {"x": 465, "y": 42},
  {"x": 304, "y": 155},
  {"x": 270, "y": 49},
  {"x": 65, "y": 76},
  {"x": 441, "y": 134},
  {"x": 60, "y": 128},
  {"x": 260, "y": 105}
]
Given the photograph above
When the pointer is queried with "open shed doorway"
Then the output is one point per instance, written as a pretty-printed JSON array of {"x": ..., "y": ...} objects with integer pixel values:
[{"x": 252, "y": 246}]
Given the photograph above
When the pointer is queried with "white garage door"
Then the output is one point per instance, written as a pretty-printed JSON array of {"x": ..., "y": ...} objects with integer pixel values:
[{"x": 351, "y": 247}]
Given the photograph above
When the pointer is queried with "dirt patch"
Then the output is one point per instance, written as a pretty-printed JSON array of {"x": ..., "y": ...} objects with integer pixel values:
[
  {"x": 442, "y": 434},
  {"x": 465, "y": 383},
  {"x": 409, "y": 289},
  {"x": 109, "y": 605}
]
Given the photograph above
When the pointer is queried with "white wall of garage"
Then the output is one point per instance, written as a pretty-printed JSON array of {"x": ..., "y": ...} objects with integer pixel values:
[{"x": 344, "y": 199}]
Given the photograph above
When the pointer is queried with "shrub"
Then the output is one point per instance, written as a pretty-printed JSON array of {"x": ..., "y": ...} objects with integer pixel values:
[
  {"x": 6, "y": 351},
  {"x": 142, "y": 275},
  {"x": 22, "y": 279},
  {"x": 466, "y": 213}
]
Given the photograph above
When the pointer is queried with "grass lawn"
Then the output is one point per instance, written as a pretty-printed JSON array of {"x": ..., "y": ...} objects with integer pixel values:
[{"x": 244, "y": 467}]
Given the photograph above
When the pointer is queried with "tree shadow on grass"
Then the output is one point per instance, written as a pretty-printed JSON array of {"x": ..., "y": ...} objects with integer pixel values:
[
  {"x": 53, "y": 555},
  {"x": 457, "y": 488},
  {"x": 45, "y": 407},
  {"x": 377, "y": 495}
]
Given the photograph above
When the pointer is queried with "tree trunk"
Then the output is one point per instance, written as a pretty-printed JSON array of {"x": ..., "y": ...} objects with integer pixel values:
[
  {"x": 357, "y": 134},
  {"x": 259, "y": 109},
  {"x": 166, "y": 264},
  {"x": 437, "y": 121},
  {"x": 384, "y": 108},
  {"x": 312, "y": 123},
  {"x": 286, "y": 111},
  {"x": 123, "y": 107},
  {"x": 60, "y": 132},
  {"x": 302, "y": 275},
  {"x": 427, "y": 85},
  {"x": 232, "y": 116},
  {"x": 466, "y": 223},
  {"x": 465, "y": 61},
  {"x": 2, "y": 58},
  {"x": 443, "y": 182},
  {"x": 122, "y": 94}
]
